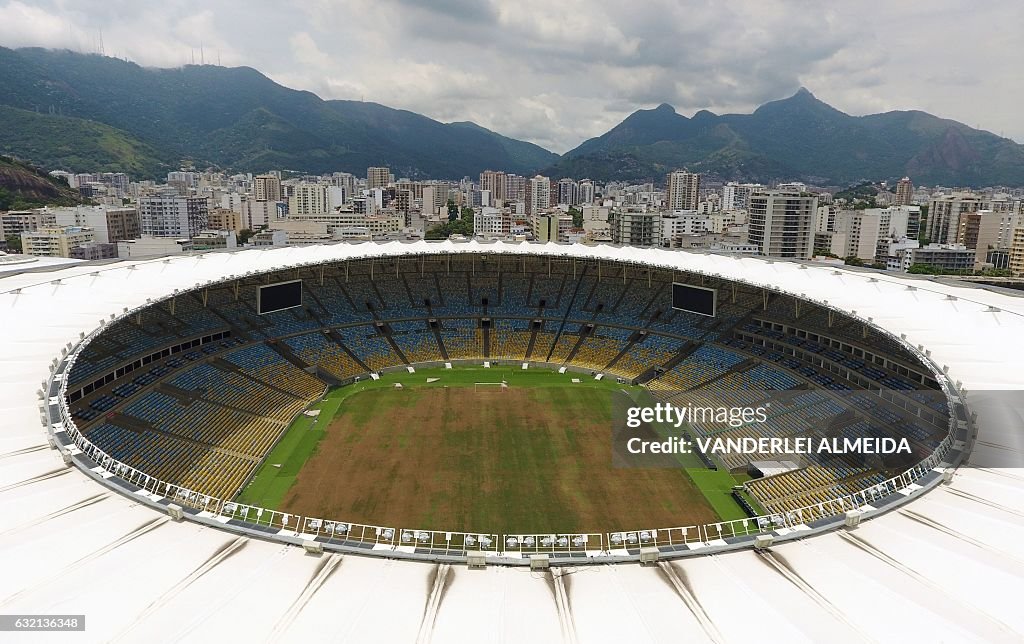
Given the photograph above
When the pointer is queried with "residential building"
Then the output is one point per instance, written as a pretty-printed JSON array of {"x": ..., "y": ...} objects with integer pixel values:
[
  {"x": 109, "y": 224},
  {"x": 539, "y": 196},
  {"x": 736, "y": 196},
  {"x": 680, "y": 224},
  {"x": 682, "y": 191},
  {"x": 635, "y": 227},
  {"x": 494, "y": 181},
  {"x": 151, "y": 246},
  {"x": 515, "y": 188},
  {"x": 378, "y": 177},
  {"x": 309, "y": 199},
  {"x": 215, "y": 240},
  {"x": 553, "y": 227},
  {"x": 225, "y": 219},
  {"x": 377, "y": 225},
  {"x": 491, "y": 222},
  {"x": 55, "y": 241},
  {"x": 587, "y": 192},
  {"x": 781, "y": 223},
  {"x": 980, "y": 231},
  {"x": 269, "y": 238},
  {"x": 954, "y": 258},
  {"x": 15, "y": 222},
  {"x": 944, "y": 213},
  {"x": 1017, "y": 253},
  {"x": 904, "y": 192},
  {"x": 171, "y": 215},
  {"x": 93, "y": 251},
  {"x": 266, "y": 187},
  {"x": 435, "y": 197},
  {"x": 568, "y": 192}
]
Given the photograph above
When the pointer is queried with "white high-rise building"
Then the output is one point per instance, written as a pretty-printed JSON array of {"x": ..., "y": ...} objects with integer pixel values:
[
  {"x": 310, "y": 199},
  {"x": 683, "y": 191},
  {"x": 171, "y": 215},
  {"x": 735, "y": 196},
  {"x": 587, "y": 192},
  {"x": 539, "y": 197},
  {"x": 435, "y": 197},
  {"x": 781, "y": 223}
]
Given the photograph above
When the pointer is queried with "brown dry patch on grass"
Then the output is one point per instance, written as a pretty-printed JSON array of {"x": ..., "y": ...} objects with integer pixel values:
[{"x": 512, "y": 461}]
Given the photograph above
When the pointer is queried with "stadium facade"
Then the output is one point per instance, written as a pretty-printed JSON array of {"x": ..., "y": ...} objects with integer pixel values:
[{"x": 77, "y": 546}]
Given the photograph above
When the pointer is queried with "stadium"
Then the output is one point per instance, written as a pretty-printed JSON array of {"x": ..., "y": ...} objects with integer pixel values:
[{"x": 415, "y": 442}]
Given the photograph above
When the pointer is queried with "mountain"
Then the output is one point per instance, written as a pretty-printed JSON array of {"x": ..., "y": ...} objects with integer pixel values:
[
  {"x": 23, "y": 186},
  {"x": 112, "y": 113},
  {"x": 799, "y": 137}
]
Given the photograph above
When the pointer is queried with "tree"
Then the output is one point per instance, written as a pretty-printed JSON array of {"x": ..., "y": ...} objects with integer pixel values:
[
  {"x": 853, "y": 260},
  {"x": 244, "y": 235},
  {"x": 922, "y": 236},
  {"x": 456, "y": 227},
  {"x": 453, "y": 210},
  {"x": 14, "y": 243},
  {"x": 577, "y": 217}
]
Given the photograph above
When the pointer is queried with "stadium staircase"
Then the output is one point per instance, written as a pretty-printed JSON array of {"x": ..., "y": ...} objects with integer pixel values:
[
  {"x": 585, "y": 332},
  {"x": 440, "y": 343},
  {"x": 533, "y": 340},
  {"x": 487, "y": 340},
  {"x": 224, "y": 365},
  {"x": 286, "y": 352},
  {"x": 337, "y": 339},
  {"x": 568, "y": 311},
  {"x": 646, "y": 312},
  {"x": 633, "y": 340},
  {"x": 683, "y": 354},
  {"x": 236, "y": 331},
  {"x": 747, "y": 364},
  {"x": 394, "y": 345},
  {"x": 344, "y": 292}
]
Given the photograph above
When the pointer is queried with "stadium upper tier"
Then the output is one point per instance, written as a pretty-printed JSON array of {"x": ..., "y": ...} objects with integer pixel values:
[{"x": 190, "y": 347}]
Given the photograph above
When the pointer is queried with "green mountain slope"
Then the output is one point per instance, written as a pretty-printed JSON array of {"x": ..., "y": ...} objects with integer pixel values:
[
  {"x": 23, "y": 186},
  {"x": 238, "y": 119},
  {"x": 68, "y": 143}
]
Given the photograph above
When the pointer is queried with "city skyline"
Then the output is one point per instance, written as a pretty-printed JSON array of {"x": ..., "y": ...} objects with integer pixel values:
[{"x": 557, "y": 76}]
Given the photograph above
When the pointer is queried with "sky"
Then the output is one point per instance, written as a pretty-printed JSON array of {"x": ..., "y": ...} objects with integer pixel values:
[{"x": 557, "y": 73}]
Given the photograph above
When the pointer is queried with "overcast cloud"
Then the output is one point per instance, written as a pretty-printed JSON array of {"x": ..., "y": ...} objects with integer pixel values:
[{"x": 557, "y": 73}]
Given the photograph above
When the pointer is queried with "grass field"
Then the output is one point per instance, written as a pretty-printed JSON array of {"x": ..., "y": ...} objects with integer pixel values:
[{"x": 447, "y": 455}]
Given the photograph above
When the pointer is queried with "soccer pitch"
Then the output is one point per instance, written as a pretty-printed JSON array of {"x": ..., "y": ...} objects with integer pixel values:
[{"x": 451, "y": 455}]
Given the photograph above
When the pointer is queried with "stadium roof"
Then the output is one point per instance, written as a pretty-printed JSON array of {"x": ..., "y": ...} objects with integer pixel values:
[{"x": 944, "y": 567}]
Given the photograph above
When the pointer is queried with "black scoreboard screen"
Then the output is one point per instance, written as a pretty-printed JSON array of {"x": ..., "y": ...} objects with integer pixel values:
[
  {"x": 276, "y": 297},
  {"x": 695, "y": 299}
]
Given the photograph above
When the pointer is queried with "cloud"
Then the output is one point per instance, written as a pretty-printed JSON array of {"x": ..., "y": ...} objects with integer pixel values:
[{"x": 557, "y": 73}]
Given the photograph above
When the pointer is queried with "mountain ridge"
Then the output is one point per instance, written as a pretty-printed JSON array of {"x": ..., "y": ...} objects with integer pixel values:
[{"x": 797, "y": 138}]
